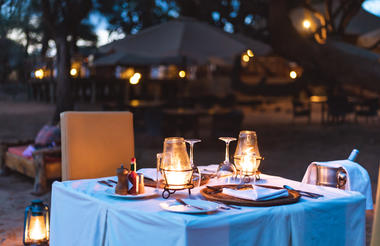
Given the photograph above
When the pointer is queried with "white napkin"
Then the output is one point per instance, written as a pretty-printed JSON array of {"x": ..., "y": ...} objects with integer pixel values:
[
  {"x": 149, "y": 173},
  {"x": 257, "y": 193},
  {"x": 357, "y": 177}
]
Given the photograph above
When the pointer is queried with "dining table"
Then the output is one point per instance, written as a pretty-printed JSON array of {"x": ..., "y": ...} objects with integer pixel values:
[{"x": 83, "y": 213}]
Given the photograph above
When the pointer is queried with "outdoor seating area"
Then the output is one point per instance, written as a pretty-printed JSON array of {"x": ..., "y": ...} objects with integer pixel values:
[{"x": 181, "y": 123}]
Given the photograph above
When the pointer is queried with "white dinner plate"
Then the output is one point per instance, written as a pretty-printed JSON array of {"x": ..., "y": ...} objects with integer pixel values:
[
  {"x": 149, "y": 192},
  {"x": 176, "y": 207}
]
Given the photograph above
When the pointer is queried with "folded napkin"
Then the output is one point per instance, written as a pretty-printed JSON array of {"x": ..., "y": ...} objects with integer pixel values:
[
  {"x": 257, "y": 193},
  {"x": 357, "y": 177},
  {"x": 149, "y": 173}
]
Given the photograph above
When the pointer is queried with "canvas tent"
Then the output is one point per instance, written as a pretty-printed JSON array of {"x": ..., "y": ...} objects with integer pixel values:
[{"x": 181, "y": 41}]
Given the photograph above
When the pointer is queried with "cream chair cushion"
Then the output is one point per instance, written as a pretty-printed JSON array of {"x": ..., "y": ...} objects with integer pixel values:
[
  {"x": 94, "y": 144},
  {"x": 375, "y": 240}
]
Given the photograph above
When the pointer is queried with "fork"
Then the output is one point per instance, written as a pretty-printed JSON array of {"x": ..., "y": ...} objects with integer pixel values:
[
  {"x": 104, "y": 183},
  {"x": 188, "y": 205},
  {"x": 229, "y": 206}
]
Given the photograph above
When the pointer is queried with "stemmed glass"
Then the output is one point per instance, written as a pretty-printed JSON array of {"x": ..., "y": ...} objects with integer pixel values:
[
  {"x": 226, "y": 168},
  {"x": 196, "y": 171}
]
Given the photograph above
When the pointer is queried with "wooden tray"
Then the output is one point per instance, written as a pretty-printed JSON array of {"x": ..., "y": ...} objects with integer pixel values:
[{"x": 211, "y": 195}]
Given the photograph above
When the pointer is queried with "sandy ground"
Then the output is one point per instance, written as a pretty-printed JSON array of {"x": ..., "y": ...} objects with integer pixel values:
[{"x": 288, "y": 149}]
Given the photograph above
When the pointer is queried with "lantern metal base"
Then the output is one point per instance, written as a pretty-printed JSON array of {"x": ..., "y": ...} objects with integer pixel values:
[
  {"x": 169, "y": 191},
  {"x": 247, "y": 177},
  {"x": 36, "y": 244}
]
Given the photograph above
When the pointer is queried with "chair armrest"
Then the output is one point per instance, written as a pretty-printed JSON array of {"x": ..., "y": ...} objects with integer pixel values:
[{"x": 47, "y": 151}]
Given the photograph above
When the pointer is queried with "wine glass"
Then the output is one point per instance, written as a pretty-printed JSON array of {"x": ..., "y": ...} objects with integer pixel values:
[
  {"x": 196, "y": 171},
  {"x": 226, "y": 168}
]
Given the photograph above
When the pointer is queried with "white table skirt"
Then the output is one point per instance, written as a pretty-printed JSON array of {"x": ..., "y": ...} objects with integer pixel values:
[{"x": 82, "y": 214}]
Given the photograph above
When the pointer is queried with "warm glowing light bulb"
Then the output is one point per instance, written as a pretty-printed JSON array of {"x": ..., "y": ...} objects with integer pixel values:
[
  {"x": 73, "y": 72},
  {"x": 137, "y": 75},
  {"x": 135, "y": 79},
  {"x": 245, "y": 58},
  {"x": 306, "y": 24},
  {"x": 39, "y": 74},
  {"x": 293, "y": 74},
  {"x": 250, "y": 53},
  {"x": 135, "y": 103},
  {"x": 182, "y": 74}
]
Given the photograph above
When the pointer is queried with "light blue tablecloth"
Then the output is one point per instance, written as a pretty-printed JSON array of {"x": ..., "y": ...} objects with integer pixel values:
[{"x": 82, "y": 214}]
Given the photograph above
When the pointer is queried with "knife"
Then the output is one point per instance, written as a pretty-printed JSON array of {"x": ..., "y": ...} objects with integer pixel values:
[
  {"x": 304, "y": 193},
  {"x": 104, "y": 183}
]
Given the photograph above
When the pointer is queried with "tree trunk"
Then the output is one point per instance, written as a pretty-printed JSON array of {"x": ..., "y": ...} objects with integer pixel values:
[
  {"x": 63, "y": 91},
  {"x": 332, "y": 62}
]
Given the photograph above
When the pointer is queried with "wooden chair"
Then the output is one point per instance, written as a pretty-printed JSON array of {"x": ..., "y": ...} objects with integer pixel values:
[
  {"x": 338, "y": 109},
  {"x": 94, "y": 144},
  {"x": 44, "y": 165},
  {"x": 367, "y": 109},
  {"x": 375, "y": 238}
]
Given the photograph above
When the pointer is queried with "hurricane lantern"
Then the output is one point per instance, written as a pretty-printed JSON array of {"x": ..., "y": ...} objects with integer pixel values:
[
  {"x": 247, "y": 157},
  {"x": 175, "y": 167},
  {"x": 36, "y": 224}
]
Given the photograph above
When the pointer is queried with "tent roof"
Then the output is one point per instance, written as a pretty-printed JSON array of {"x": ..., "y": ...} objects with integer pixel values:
[
  {"x": 184, "y": 38},
  {"x": 122, "y": 58}
]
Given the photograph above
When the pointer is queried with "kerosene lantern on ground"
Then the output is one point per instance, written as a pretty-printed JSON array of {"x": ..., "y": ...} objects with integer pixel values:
[
  {"x": 247, "y": 157},
  {"x": 36, "y": 224},
  {"x": 175, "y": 166}
]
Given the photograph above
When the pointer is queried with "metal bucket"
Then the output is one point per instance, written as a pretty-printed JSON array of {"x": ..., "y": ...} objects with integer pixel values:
[{"x": 332, "y": 177}]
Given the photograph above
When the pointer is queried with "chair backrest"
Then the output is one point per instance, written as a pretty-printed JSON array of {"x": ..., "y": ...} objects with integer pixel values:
[
  {"x": 94, "y": 144},
  {"x": 375, "y": 238}
]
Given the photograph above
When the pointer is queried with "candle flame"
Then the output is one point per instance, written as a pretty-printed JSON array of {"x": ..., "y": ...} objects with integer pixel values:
[
  {"x": 37, "y": 228},
  {"x": 177, "y": 175},
  {"x": 248, "y": 161}
]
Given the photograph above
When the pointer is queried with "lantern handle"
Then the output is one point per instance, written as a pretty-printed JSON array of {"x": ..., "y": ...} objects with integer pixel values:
[{"x": 158, "y": 166}]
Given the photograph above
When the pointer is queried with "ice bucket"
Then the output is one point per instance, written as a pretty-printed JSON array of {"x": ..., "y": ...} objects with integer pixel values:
[{"x": 330, "y": 176}]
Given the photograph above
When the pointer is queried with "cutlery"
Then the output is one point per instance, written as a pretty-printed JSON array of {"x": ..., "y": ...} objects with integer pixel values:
[
  {"x": 215, "y": 189},
  {"x": 104, "y": 183},
  {"x": 305, "y": 192},
  {"x": 112, "y": 181},
  {"x": 223, "y": 207},
  {"x": 302, "y": 193},
  {"x": 220, "y": 189},
  {"x": 188, "y": 205},
  {"x": 228, "y": 205}
]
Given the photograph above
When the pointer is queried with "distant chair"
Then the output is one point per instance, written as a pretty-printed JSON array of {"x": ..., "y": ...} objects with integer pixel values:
[
  {"x": 338, "y": 108},
  {"x": 228, "y": 101},
  {"x": 43, "y": 164},
  {"x": 301, "y": 109},
  {"x": 227, "y": 124},
  {"x": 367, "y": 109},
  {"x": 207, "y": 101}
]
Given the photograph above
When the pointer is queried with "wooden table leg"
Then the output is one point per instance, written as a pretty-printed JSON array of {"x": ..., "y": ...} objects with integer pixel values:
[{"x": 40, "y": 180}]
